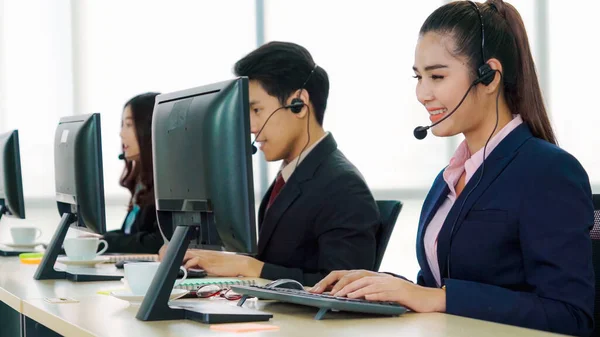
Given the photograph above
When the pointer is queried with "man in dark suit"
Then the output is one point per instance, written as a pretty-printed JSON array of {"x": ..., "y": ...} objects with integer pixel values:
[{"x": 318, "y": 215}]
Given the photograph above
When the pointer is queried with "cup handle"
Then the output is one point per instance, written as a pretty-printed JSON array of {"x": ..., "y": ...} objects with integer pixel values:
[
  {"x": 103, "y": 249},
  {"x": 178, "y": 282},
  {"x": 39, "y": 233}
]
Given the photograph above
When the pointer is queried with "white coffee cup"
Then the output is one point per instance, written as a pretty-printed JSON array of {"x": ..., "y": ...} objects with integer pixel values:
[
  {"x": 139, "y": 276},
  {"x": 25, "y": 235},
  {"x": 83, "y": 249}
]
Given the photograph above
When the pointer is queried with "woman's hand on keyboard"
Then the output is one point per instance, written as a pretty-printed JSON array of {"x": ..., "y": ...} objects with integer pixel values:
[
  {"x": 336, "y": 280},
  {"x": 394, "y": 289}
]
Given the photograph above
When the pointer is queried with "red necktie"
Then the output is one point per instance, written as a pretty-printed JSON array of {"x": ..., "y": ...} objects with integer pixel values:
[{"x": 279, "y": 183}]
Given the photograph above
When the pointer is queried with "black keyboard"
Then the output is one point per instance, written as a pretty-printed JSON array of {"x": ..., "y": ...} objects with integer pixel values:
[{"x": 322, "y": 301}]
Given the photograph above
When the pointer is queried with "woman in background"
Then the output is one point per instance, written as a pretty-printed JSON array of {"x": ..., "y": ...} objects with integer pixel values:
[{"x": 139, "y": 232}]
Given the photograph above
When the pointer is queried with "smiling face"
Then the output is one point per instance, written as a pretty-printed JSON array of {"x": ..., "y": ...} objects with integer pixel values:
[{"x": 443, "y": 79}]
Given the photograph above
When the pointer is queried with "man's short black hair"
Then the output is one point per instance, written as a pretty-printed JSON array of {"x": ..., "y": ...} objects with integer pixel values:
[{"x": 281, "y": 68}]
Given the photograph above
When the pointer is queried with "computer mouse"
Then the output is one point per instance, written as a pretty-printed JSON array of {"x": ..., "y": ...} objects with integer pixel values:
[
  {"x": 192, "y": 273},
  {"x": 285, "y": 283},
  {"x": 121, "y": 264}
]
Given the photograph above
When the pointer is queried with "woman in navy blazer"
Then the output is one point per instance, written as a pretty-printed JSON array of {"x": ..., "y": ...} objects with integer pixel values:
[{"x": 504, "y": 231}]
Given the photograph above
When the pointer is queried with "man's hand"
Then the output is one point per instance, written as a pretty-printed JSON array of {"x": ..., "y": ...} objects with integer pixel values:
[{"x": 223, "y": 264}]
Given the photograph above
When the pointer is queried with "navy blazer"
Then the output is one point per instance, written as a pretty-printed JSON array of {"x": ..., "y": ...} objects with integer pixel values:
[{"x": 521, "y": 250}]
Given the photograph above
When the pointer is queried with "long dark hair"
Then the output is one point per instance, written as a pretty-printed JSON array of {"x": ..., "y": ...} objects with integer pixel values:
[
  {"x": 506, "y": 40},
  {"x": 142, "y": 107}
]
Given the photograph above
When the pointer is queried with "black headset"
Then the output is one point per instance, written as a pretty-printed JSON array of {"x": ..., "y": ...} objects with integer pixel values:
[
  {"x": 295, "y": 107},
  {"x": 485, "y": 76},
  {"x": 297, "y": 103},
  {"x": 485, "y": 73}
]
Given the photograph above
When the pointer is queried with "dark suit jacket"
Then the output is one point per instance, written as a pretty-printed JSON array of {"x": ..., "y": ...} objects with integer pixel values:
[
  {"x": 521, "y": 250},
  {"x": 324, "y": 219},
  {"x": 144, "y": 238}
]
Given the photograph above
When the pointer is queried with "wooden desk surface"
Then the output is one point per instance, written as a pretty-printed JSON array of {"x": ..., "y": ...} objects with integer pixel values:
[
  {"x": 102, "y": 315},
  {"x": 17, "y": 284}
]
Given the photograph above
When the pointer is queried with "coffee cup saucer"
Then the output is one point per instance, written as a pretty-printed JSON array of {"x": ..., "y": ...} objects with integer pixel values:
[
  {"x": 98, "y": 259},
  {"x": 127, "y": 295},
  {"x": 22, "y": 245}
]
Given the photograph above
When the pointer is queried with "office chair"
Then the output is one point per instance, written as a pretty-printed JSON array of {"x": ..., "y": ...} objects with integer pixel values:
[
  {"x": 595, "y": 235},
  {"x": 388, "y": 213}
]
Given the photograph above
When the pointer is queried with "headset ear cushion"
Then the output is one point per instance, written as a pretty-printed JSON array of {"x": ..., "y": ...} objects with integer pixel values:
[
  {"x": 485, "y": 74},
  {"x": 296, "y": 105}
]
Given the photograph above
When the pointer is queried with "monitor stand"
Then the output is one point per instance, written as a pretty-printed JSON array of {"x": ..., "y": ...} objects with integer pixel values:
[
  {"x": 155, "y": 306},
  {"x": 46, "y": 271}
]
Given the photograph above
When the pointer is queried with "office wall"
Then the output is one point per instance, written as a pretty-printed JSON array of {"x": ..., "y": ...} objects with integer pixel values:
[
  {"x": 573, "y": 33},
  {"x": 35, "y": 83},
  {"x": 124, "y": 48}
]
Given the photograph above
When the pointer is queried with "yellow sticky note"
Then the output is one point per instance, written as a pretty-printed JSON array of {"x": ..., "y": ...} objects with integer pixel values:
[
  {"x": 244, "y": 327},
  {"x": 108, "y": 291}
]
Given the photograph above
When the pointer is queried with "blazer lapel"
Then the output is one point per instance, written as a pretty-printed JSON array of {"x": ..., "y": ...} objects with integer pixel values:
[
  {"x": 432, "y": 204},
  {"x": 288, "y": 194},
  {"x": 263, "y": 205},
  {"x": 269, "y": 218},
  {"x": 495, "y": 163}
]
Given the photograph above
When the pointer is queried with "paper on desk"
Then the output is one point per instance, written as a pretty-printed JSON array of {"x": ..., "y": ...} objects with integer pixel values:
[
  {"x": 60, "y": 300},
  {"x": 244, "y": 327}
]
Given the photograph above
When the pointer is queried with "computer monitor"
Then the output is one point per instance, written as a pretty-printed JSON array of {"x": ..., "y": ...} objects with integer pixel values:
[
  {"x": 203, "y": 184},
  {"x": 11, "y": 183},
  {"x": 79, "y": 183},
  {"x": 11, "y": 186},
  {"x": 203, "y": 165},
  {"x": 78, "y": 173}
]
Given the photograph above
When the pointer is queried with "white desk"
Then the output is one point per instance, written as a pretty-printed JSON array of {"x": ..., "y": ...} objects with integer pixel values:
[
  {"x": 107, "y": 316},
  {"x": 103, "y": 315},
  {"x": 17, "y": 283}
]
